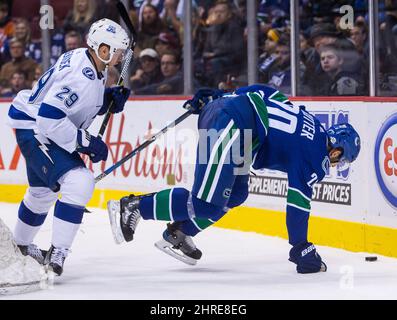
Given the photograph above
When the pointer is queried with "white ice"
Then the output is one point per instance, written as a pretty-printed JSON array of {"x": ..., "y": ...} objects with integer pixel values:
[{"x": 235, "y": 265}]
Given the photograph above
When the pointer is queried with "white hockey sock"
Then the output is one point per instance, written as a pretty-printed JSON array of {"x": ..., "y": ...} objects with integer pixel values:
[
  {"x": 63, "y": 233},
  {"x": 67, "y": 220},
  {"x": 24, "y": 233},
  {"x": 28, "y": 224}
]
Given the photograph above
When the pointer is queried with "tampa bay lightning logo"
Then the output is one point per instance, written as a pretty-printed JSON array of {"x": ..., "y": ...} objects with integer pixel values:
[
  {"x": 111, "y": 29},
  {"x": 89, "y": 73}
]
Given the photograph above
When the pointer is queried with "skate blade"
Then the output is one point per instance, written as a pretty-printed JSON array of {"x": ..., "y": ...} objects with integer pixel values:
[
  {"x": 114, "y": 218},
  {"x": 167, "y": 248}
]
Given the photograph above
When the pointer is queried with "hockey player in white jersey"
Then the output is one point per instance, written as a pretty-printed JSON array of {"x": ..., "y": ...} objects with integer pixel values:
[{"x": 51, "y": 123}]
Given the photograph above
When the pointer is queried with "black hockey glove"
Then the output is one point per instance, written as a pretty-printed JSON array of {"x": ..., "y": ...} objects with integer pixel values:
[
  {"x": 306, "y": 258},
  {"x": 201, "y": 99}
]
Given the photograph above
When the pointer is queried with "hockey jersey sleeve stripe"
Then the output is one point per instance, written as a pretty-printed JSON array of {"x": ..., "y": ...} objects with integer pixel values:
[
  {"x": 16, "y": 114},
  {"x": 260, "y": 108},
  {"x": 51, "y": 112},
  {"x": 296, "y": 199}
]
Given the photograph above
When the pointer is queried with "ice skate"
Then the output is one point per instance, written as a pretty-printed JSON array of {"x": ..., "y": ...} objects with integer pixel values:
[
  {"x": 33, "y": 251},
  {"x": 124, "y": 216},
  {"x": 178, "y": 245},
  {"x": 55, "y": 259}
]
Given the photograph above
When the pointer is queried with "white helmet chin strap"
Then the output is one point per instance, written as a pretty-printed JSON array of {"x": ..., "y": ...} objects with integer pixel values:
[{"x": 104, "y": 61}]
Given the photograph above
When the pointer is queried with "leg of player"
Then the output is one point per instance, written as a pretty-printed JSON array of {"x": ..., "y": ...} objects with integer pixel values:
[
  {"x": 77, "y": 187},
  {"x": 193, "y": 212},
  {"x": 191, "y": 215},
  {"x": 31, "y": 215},
  {"x": 177, "y": 238}
]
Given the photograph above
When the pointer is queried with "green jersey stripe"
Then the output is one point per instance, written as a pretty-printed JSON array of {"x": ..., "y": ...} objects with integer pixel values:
[
  {"x": 278, "y": 96},
  {"x": 225, "y": 152},
  {"x": 220, "y": 153},
  {"x": 202, "y": 223},
  {"x": 294, "y": 197},
  {"x": 260, "y": 108},
  {"x": 212, "y": 156}
]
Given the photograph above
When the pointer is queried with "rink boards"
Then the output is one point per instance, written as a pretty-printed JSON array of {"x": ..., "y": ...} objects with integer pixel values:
[{"x": 354, "y": 209}]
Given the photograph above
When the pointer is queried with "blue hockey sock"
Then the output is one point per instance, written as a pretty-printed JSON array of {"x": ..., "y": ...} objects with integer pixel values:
[
  {"x": 193, "y": 226},
  {"x": 172, "y": 205},
  {"x": 166, "y": 205},
  {"x": 29, "y": 217}
]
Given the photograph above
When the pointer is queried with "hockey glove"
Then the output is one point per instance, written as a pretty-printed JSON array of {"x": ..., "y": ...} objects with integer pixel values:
[
  {"x": 119, "y": 95},
  {"x": 93, "y": 146},
  {"x": 306, "y": 258},
  {"x": 201, "y": 99}
]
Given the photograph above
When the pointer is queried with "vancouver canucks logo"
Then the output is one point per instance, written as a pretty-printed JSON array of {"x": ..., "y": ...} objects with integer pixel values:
[{"x": 89, "y": 73}]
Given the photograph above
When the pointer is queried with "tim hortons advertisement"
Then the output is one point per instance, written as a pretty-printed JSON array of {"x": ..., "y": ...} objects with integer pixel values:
[{"x": 168, "y": 161}]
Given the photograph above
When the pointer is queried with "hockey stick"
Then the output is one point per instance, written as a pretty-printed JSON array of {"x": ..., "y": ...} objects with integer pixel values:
[
  {"x": 143, "y": 145},
  {"x": 124, "y": 73},
  {"x": 120, "y": 82}
]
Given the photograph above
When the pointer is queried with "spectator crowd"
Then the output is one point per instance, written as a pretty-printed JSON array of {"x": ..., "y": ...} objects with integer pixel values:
[{"x": 334, "y": 60}]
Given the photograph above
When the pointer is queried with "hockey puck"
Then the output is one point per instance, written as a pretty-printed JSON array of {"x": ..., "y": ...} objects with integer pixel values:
[{"x": 371, "y": 258}]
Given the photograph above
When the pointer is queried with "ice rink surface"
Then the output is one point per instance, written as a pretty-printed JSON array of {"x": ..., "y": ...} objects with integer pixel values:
[{"x": 235, "y": 265}]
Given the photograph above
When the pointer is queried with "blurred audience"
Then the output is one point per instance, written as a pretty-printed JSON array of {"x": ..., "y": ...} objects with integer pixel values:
[
  {"x": 150, "y": 26},
  {"x": 173, "y": 77},
  {"x": 73, "y": 40},
  {"x": 81, "y": 16},
  {"x": 17, "y": 83},
  {"x": 223, "y": 46},
  {"x": 340, "y": 82},
  {"x": 6, "y": 24},
  {"x": 149, "y": 71},
  {"x": 19, "y": 62},
  {"x": 334, "y": 59},
  {"x": 278, "y": 73}
]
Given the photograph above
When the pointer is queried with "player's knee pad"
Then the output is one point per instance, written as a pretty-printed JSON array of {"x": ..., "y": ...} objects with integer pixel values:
[
  {"x": 206, "y": 210},
  {"x": 39, "y": 199},
  {"x": 77, "y": 186}
]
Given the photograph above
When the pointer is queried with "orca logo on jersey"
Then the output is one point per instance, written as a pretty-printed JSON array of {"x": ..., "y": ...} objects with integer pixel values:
[
  {"x": 89, "y": 73},
  {"x": 227, "y": 193}
]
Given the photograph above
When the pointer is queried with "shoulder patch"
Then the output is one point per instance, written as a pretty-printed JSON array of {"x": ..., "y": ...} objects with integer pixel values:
[{"x": 89, "y": 73}]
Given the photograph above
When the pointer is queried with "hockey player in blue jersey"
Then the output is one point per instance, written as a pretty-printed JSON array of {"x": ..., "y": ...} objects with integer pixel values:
[
  {"x": 256, "y": 126},
  {"x": 51, "y": 123}
]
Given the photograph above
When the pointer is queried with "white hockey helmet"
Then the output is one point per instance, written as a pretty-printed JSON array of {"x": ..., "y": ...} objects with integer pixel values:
[{"x": 107, "y": 32}]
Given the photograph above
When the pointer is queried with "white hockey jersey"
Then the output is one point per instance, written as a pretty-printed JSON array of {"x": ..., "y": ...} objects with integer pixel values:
[{"x": 66, "y": 98}]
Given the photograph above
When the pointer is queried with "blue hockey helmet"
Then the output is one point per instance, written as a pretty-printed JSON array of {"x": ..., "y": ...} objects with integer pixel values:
[{"x": 344, "y": 136}]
